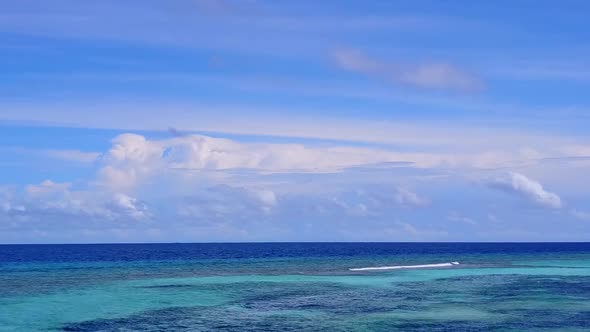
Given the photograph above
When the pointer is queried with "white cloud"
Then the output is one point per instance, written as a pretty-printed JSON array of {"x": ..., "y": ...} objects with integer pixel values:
[
  {"x": 131, "y": 206},
  {"x": 52, "y": 198},
  {"x": 199, "y": 182},
  {"x": 530, "y": 189},
  {"x": 438, "y": 76},
  {"x": 130, "y": 159},
  {"x": 133, "y": 158},
  {"x": 203, "y": 180},
  {"x": 294, "y": 123}
]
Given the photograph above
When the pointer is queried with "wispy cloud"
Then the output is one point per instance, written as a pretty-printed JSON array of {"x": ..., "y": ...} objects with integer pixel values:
[
  {"x": 72, "y": 155},
  {"x": 531, "y": 190},
  {"x": 430, "y": 76},
  {"x": 250, "y": 27},
  {"x": 76, "y": 156},
  {"x": 292, "y": 122}
]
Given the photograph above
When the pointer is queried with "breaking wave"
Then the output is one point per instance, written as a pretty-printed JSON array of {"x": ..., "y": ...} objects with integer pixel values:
[{"x": 401, "y": 267}]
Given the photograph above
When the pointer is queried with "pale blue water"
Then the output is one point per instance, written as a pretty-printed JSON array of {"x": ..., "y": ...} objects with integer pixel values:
[{"x": 295, "y": 287}]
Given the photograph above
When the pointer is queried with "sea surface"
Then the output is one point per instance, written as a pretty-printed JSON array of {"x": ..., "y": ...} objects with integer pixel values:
[{"x": 295, "y": 287}]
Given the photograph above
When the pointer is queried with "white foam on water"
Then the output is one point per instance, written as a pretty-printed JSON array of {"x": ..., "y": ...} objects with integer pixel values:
[{"x": 401, "y": 267}]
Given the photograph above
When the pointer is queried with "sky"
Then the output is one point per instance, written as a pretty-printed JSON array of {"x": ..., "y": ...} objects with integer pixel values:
[{"x": 252, "y": 120}]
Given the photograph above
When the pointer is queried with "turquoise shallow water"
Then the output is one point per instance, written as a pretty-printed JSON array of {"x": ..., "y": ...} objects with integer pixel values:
[{"x": 295, "y": 287}]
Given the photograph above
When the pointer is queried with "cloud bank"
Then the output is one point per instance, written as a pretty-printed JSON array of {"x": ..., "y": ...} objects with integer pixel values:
[{"x": 198, "y": 188}]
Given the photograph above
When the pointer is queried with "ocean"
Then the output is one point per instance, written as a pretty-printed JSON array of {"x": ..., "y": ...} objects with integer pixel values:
[{"x": 296, "y": 287}]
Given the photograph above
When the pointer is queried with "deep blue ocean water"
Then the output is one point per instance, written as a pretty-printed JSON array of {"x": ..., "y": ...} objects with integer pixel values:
[{"x": 295, "y": 287}]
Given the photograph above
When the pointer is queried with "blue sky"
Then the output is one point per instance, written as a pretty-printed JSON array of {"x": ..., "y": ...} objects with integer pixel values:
[{"x": 220, "y": 120}]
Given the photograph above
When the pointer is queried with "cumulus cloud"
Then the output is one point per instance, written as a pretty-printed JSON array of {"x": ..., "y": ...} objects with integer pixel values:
[
  {"x": 434, "y": 76},
  {"x": 201, "y": 180},
  {"x": 529, "y": 189},
  {"x": 53, "y": 198},
  {"x": 133, "y": 158}
]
